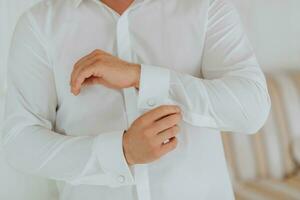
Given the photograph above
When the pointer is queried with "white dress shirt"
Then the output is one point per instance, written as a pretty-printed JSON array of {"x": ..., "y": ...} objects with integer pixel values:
[{"x": 193, "y": 53}]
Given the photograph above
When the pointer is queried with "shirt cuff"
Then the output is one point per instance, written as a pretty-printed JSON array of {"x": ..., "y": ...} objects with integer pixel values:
[
  {"x": 154, "y": 86},
  {"x": 109, "y": 151}
]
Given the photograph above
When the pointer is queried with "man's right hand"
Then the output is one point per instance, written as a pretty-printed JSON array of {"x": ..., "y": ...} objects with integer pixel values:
[{"x": 145, "y": 140}]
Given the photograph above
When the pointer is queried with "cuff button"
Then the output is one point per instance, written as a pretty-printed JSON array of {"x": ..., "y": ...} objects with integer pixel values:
[
  {"x": 121, "y": 179},
  {"x": 151, "y": 102}
]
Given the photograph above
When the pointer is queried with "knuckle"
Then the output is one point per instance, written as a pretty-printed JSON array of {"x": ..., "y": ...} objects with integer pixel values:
[
  {"x": 99, "y": 57},
  {"x": 96, "y": 51}
]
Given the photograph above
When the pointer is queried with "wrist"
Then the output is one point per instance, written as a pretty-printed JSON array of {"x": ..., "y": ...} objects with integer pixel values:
[
  {"x": 137, "y": 75},
  {"x": 126, "y": 149}
]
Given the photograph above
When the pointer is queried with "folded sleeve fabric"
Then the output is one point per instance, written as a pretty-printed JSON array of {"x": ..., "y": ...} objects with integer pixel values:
[
  {"x": 29, "y": 139},
  {"x": 231, "y": 94}
]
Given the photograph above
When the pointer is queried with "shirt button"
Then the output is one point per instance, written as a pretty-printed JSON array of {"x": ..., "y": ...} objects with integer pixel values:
[
  {"x": 121, "y": 178},
  {"x": 151, "y": 102}
]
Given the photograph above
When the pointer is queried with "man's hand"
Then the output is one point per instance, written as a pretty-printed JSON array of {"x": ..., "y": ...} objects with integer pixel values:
[
  {"x": 100, "y": 67},
  {"x": 145, "y": 140}
]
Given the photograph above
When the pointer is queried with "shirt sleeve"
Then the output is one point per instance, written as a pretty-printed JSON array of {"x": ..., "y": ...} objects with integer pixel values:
[
  {"x": 231, "y": 96},
  {"x": 29, "y": 140}
]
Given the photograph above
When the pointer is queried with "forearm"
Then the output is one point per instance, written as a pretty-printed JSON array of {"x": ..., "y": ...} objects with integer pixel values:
[
  {"x": 235, "y": 102},
  {"x": 37, "y": 150}
]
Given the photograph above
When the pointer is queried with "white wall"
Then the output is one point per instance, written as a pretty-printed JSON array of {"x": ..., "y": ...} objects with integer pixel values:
[{"x": 272, "y": 25}]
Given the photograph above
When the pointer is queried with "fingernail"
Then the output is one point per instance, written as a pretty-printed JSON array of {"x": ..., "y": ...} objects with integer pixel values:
[{"x": 74, "y": 91}]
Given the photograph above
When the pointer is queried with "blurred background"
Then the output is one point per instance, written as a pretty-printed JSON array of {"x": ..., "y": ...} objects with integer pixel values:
[{"x": 263, "y": 166}]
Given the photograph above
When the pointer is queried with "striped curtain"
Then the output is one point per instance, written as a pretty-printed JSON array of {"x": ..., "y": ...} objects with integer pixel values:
[{"x": 269, "y": 154}]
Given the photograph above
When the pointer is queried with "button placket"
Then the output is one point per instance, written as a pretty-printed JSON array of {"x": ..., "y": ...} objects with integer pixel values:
[
  {"x": 151, "y": 102},
  {"x": 130, "y": 97}
]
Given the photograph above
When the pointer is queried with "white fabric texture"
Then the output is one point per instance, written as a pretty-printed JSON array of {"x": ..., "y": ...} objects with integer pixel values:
[{"x": 199, "y": 46}]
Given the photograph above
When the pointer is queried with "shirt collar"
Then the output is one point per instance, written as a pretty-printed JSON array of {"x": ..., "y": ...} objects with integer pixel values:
[{"x": 78, "y": 2}]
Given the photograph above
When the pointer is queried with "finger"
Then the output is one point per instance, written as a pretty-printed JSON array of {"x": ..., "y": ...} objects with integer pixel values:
[
  {"x": 94, "y": 53},
  {"x": 159, "y": 112},
  {"x": 83, "y": 60},
  {"x": 171, "y": 145},
  {"x": 167, "y": 134},
  {"x": 82, "y": 75},
  {"x": 91, "y": 81},
  {"x": 166, "y": 123},
  {"x": 87, "y": 62}
]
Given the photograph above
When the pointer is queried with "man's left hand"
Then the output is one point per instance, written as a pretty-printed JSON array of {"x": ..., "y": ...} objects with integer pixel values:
[{"x": 100, "y": 67}]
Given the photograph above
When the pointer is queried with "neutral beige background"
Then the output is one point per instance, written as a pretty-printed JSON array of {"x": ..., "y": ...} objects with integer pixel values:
[{"x": 272, "y": 26}]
